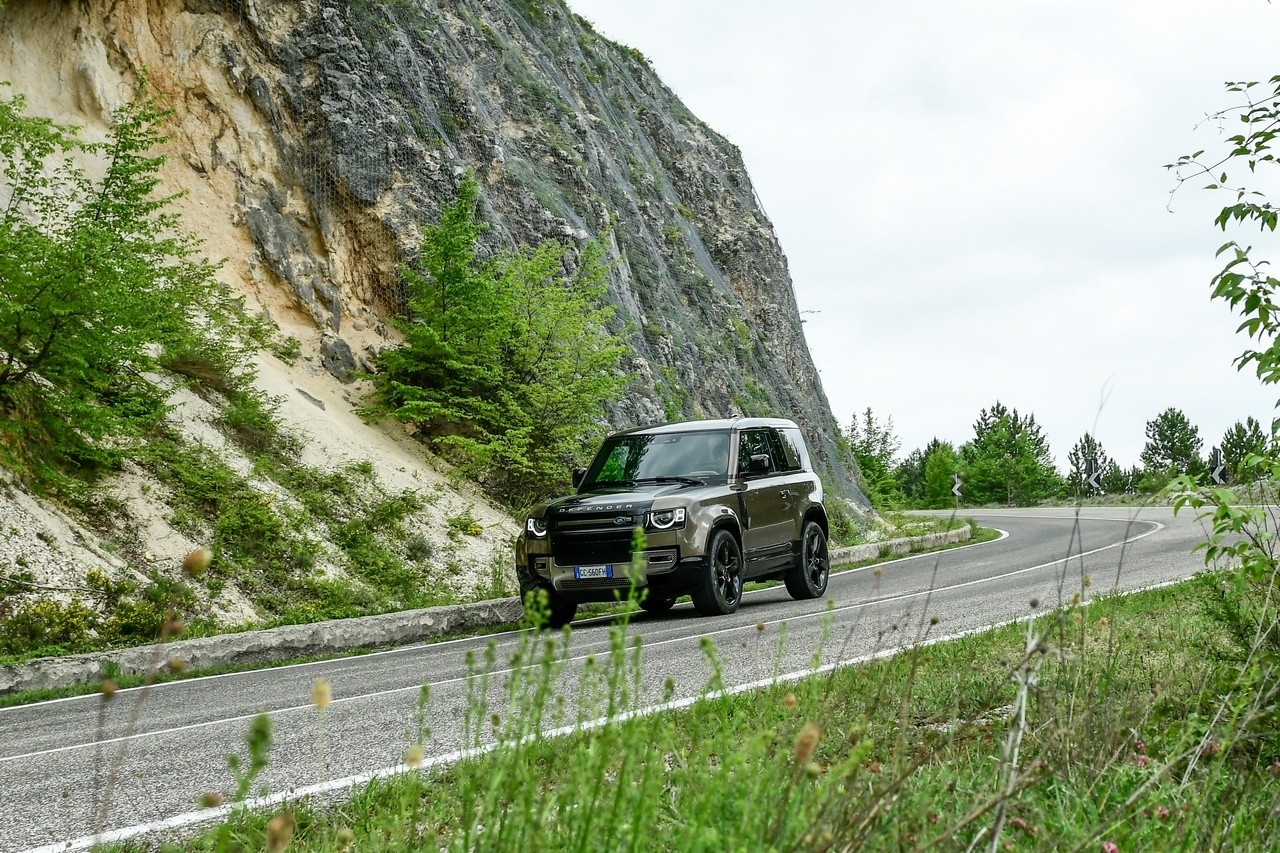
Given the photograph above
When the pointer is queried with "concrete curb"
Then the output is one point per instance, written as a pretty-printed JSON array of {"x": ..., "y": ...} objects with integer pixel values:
[
  {"x": 339, "y": 635},
  {"x": 265, "y": 646},
  {"x": 899, "y": 547}
]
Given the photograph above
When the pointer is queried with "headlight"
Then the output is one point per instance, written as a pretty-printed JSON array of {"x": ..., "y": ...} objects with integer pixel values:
[
  {"x": 666, "y": 519},
  {"x": 535, "y": 527}
]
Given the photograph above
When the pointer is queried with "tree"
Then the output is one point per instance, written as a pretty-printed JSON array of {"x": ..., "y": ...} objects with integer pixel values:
[
  {"x": 910, "y": 474},
  {"x": 99, "y": 286},
  {"x": 1008, "y": 460},
  {"x": 507, "y": 363},
  {"x": 1239, "y": 442},
  {"x": 1088, "y": 448},
  {"x": 940, "y": 464},
  {"x": 1172, "y": 448},
  {"x": 874, "y": 446}
]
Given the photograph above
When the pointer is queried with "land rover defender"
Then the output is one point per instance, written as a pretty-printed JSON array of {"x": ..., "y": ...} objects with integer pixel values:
[{"x": 720, "y": 502}]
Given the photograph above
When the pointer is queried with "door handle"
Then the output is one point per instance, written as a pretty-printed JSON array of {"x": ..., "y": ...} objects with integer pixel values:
[{"x": 786, "y": 493}]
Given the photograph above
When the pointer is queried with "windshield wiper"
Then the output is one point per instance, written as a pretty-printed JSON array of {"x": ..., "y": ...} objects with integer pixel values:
[{"x": 688, "y": 481}]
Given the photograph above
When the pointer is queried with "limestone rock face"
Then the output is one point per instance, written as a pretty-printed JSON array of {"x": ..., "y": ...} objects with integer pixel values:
[{"x": 316, "y": 137}]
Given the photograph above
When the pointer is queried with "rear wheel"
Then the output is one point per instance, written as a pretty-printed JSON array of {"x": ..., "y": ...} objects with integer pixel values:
[
  {"x": 657, "y": 603},
  {"x": 808, "y": 577},
  {"x": 720, "y": 591}
]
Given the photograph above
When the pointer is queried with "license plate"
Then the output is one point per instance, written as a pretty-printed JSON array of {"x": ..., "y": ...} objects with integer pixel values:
[{"x": 584, "y": 572}]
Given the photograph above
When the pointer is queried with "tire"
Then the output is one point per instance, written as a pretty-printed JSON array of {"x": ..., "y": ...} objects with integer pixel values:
[
  {"x": 657, "y": 604},
  {"x": 808, "y": 577},
  {"x": 556, "y": 613},
  {"x": 720, "y": 591}
]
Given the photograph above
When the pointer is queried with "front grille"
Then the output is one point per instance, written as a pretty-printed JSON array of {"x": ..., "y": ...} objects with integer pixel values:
[
  {"x": 568, "y": 584},
  {"x": 592, "y": 539}
]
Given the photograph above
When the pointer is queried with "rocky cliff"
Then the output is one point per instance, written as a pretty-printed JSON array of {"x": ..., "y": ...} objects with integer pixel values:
[{"x": 314, "y": 139}]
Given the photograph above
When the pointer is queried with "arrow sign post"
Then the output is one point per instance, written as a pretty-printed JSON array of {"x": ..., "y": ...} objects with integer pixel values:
[
  {"x": 955, "y": 486},
  {"x": 1217, "y": 468},
  {"x": 1091, "y": 474}
]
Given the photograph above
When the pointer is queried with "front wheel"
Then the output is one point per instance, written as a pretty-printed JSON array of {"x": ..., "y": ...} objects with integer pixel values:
[
  {"x": 720, "y": 591},
  {"x": 807, "y": 578},
  {"x": 545, "y": 608}
]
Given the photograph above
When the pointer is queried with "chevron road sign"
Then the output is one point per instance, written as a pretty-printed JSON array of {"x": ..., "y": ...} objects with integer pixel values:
[
  {"x": 1217, "y": 470},
  {"x": 1091, "y": 474},
  {"x": 955, "y": 485}
]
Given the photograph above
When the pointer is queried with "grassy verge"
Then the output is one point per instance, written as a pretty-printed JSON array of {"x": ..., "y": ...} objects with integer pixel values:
[{"x": 1078, "y": 729}]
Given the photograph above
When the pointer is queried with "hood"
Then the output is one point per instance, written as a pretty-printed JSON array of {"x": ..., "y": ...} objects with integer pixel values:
[{"x": 630, "y": 500}]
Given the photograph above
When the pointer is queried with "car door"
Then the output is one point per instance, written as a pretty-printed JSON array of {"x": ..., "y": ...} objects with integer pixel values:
[
  {"x": 764, "y": 535},
  {"x": 795, "y": 486}
]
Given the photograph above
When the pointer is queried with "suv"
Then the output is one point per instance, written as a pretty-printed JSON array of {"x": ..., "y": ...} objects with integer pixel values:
[{"x": 720, "y": 502}]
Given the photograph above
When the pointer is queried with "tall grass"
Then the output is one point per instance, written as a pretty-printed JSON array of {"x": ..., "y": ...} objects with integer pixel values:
[{"x": 1094, "y": 727}]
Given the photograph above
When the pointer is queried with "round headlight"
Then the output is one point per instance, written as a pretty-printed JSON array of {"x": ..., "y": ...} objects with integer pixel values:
[
  {"x": 665, "y": 519},
  {"x": 536, "y": 527}
]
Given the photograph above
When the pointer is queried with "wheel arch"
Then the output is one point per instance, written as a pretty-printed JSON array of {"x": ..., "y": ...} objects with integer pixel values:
[
  {"x": 818, "y": 514},
  {"x": 730, "y": 523}
]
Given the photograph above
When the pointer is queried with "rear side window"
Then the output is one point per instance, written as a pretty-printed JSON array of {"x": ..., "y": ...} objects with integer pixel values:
[
  {"x": 793, "y": 446},
  {"x": 784, "y": 456}
]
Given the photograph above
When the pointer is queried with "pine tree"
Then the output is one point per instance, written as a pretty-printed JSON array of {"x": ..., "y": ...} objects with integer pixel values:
[{"x": 1088, "y": 448}]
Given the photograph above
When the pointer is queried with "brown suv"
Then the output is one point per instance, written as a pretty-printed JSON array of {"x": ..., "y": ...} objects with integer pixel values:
[{"x": 720, "y": 502}]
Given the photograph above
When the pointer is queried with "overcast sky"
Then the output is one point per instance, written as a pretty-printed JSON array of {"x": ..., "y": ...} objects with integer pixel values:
[{"x": 972, "y": 200}]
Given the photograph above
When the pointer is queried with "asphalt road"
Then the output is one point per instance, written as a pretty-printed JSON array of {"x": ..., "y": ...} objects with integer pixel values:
[{"x": 168, "y": 747}]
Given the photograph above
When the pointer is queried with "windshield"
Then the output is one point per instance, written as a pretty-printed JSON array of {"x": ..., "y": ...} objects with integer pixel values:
[{"x": 676, "y": 456}]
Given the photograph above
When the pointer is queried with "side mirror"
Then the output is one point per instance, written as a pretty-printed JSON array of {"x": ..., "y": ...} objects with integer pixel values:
[
  {"x": 579, "y": 474},
  {"x": 761, "y": 463}
]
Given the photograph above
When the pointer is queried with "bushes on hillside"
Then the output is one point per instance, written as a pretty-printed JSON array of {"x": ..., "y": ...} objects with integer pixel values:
[
  {"x": 507, "y": 362},
  {"x": 99, "y": 287}
]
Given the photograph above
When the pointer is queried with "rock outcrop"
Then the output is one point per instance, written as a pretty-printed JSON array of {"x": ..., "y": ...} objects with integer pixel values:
[{"x": 315, "y": 138}]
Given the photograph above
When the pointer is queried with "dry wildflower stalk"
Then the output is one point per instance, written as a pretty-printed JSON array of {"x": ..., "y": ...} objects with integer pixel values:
[
  {"x": 279, "y": 832},
  {"x": 1027, "y": 675}
]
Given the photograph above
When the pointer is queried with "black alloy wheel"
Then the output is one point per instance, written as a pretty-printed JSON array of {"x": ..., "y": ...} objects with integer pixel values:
[
  {"x": 808, "y": 577},
  {"x": 720, "y": 592}
]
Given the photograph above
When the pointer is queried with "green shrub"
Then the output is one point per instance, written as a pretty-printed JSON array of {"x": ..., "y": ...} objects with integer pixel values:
[
  {"x": 507, "y": 363},
  {"x": 49, "y": 627},
  {"x": 99, "y": 286}
]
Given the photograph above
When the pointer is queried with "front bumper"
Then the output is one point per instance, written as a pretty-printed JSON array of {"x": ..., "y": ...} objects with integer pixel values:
[{"x": 664, "y": 572}]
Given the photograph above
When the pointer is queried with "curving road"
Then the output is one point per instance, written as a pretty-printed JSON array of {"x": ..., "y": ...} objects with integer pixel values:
[{"x": 168, "y": 747}]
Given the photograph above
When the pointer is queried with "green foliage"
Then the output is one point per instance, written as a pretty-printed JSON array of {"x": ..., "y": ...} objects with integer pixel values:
[
  {"x": 874, "y": 446},
  {"x": 1173, "y": 446},
  {"x": 47, "y": 626},
  {"x": 507, "y": 363},
  {"x": 1241, "y": 441},
  {"x": 103, "y": 613},
  {"x": 1243, "y": 535},
  {"x": 98, "y": 287},
  {"x": 940, "y": 463},
  {"x": 464, "y": 523},
  {"x": 909, "y": 474},
  {"x": 1008, "y": 460},
  {"x": 1245, "y": 282},
  {"x": 1110, "y": 475},
  {"x": 257, "y": 743}
]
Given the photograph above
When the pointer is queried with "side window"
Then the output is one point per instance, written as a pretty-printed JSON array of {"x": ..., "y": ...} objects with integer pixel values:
[
  {"x": 753, "y": 442},
  {"x": 784, "y": 457},
  {"x": 795, "y": 448}
]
